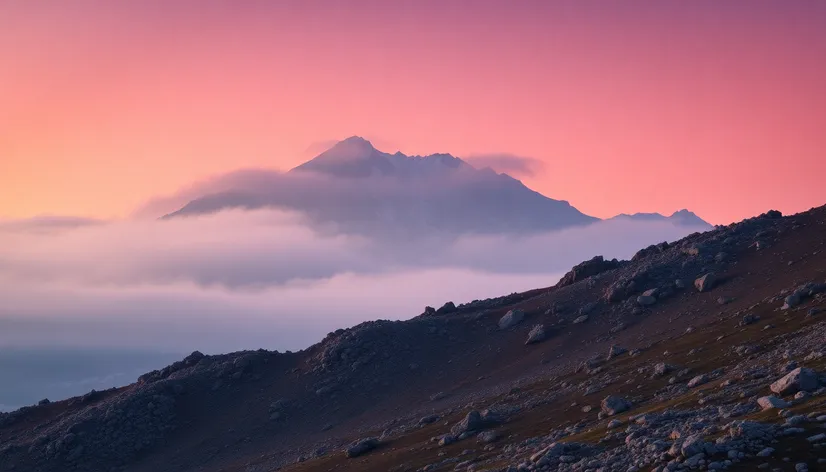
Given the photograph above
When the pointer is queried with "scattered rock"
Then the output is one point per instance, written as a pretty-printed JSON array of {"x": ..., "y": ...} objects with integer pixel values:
[
  {"x": 706, "y": 282},
  {"x": 661, "y": 369},
  {"x": 360, "y": 447},
  {"x": 801, "y": 378},
  {"x": 770, "y": 402},
  {"x": 537, "y": 334},
  {"x": 612, "y": 405},
  {"x": 698, "y": 380},
  {"x": 471, "y": 422},
  {"x": 511, "y": 318}
]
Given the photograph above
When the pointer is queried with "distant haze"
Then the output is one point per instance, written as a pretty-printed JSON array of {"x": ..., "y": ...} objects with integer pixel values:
[
  {"x": 239, "y": 279},
  {"x": 263, "y": 259}
]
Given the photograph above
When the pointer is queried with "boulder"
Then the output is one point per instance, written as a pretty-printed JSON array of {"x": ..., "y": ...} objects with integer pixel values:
[
  {"x": 511, "y": 318},
  {"x": 646, "y": 300},
  {"x": 695, "y": 444},
  {"x": 662, "y": 369},
  {"x": 791, "y": 301},
  {"x": 769, "y": 402},
  {"x": 536, "y": 335},
  {"x": 487, "y": 437},
  {"x": 706, "y": 282},
  {"x": 697, "y": 381},
  {"x": 749, "y": 319},
  {"x": 802, "y": 378},
  {"x": 471, "y": 422},
  {"x": 360, "y": 447},
  {"x": 613, "y": 405},
  {"x": 580, "y": 319}
]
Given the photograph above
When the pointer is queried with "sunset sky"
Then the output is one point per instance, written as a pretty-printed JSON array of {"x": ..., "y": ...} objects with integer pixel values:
[{"x": 719, "y": 107}]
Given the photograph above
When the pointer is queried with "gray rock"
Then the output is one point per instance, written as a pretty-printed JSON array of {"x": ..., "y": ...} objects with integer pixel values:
[
  {"x": 511, "y": 318},
  {"x": 799, "y": 379},
  {"x": 697, "y": 381},
  {"x": 749, "y": 320},
  {"x": 536, "y": 335},
  {"x": 662, "y": 369},
  {"x": 791, "y": 301},
  {"x": 487, "y": 437},
  {"x": 360, "y": 447},
  {"x": 471, "y": 422},
  {"x": 646, "y": 300},
  {"x": 765, "y": 452},
  {"x": 769, "y": 402},
  {"x": 613, "y": 405}
]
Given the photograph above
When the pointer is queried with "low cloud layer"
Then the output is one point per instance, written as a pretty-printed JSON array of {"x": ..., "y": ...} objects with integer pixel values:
[
  {"x": 520, "y": 166},
  {"x": 244, "y": 280}
]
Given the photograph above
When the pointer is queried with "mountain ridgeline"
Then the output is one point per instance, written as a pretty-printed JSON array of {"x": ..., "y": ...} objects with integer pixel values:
[{"x": 356, "y": 188}]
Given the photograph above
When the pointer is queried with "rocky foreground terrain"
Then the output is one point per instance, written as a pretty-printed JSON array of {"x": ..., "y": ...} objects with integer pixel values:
[{"x": 704, "y": 354}]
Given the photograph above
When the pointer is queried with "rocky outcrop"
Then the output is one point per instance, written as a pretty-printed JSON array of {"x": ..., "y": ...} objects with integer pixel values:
[{"x": 586, "y": 269}]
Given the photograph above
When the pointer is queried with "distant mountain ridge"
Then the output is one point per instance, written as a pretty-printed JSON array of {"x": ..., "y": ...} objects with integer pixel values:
[
  {"x": 680, "y": 217},
  {"x": 358, "y": 188}
]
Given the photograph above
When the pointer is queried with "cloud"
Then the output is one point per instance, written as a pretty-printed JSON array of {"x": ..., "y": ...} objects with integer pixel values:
[
  {"x": 517, "y": 166},
  {"x": 46, "y": 224},
  {"x": 244, "y": 280}
]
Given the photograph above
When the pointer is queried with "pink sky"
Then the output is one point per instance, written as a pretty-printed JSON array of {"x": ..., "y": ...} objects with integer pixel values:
[{"x": 719, "y": 107}]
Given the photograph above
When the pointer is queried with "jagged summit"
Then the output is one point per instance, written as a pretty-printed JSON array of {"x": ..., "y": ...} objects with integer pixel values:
[
  {"x": 354, "y": 145},
  {"x": 356, "y": 157}
]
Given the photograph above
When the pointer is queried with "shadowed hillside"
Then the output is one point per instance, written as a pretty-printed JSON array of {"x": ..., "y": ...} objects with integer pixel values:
[{"x": 665, "y": 359}]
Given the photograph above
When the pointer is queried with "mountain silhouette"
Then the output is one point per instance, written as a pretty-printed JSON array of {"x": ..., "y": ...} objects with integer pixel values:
[{"x": 355, "y": 187}]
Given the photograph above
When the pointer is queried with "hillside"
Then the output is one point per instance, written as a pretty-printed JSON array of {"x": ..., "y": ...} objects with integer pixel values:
[{"x": 662, "y": 362}]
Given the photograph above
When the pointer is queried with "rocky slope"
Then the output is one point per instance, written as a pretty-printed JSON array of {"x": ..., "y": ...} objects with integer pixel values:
[{"x": 702, "y": 354}]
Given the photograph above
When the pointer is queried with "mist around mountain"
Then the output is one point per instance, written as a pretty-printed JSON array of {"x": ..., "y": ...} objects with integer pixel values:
[
  {"x": 355, "y": 188},
  {"x": 263, "y": 259}
]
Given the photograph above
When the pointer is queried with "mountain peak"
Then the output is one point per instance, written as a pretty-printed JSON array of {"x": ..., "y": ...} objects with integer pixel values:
[{"x": 354, "y": 146}]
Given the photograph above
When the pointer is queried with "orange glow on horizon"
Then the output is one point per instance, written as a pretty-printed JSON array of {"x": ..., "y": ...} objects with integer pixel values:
[{"x": 648, "y": 106}]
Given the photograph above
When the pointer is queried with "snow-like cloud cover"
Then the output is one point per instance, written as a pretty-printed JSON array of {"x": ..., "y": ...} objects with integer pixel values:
[{"x": 267, "y": 278}]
